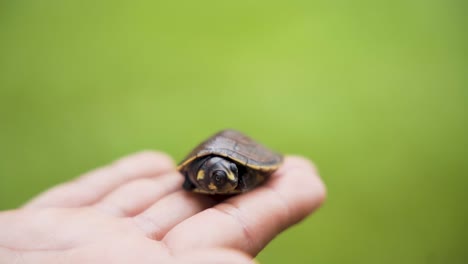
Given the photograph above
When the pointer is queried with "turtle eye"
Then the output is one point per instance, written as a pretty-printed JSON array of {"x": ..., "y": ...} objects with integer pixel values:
[{"x": 219, "y": 177}]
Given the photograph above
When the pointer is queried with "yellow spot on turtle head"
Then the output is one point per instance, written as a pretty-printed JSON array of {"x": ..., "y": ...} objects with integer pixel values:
[
  {"x": 212, "y": 187},
  {"x": 231, "y": 176},
  {"x": 200, "y": 175}
]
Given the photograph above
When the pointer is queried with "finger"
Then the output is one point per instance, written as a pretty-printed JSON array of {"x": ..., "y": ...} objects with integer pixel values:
[
  {"x": 9, "y": 256},
  {"x": 215, "y": 256},
  {"x": 249, "y": 221},
  {"x": 157, "y": 220},
  {"x": 136, "y": 196},
  {"x": 90, "y": 187}
]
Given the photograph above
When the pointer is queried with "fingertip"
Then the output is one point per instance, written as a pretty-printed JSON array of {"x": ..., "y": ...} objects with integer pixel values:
[
  {"x": 305, "y": 172},
  {"x": 149, "y": 159},
  {"x": 321, "y": 193},
  {"x": 150, "y": 156},
  {"x": 310, "y": 189},
  {"x": 94, "y": 185},
  {"x": 297, "y": 162},
  {"x": 298, "y": 179}
]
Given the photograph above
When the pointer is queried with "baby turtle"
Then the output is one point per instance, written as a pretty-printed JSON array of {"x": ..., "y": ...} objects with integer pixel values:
[{"x": 229, "y": 162}]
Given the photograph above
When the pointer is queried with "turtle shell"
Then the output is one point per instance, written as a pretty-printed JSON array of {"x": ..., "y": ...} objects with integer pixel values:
[
  {"x": 255, "y": 160},
  {"x": 238, "y": 147}
]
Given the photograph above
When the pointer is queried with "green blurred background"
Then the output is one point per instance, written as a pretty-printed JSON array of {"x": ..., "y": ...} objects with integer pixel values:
[{"x": 375, "y": 92}]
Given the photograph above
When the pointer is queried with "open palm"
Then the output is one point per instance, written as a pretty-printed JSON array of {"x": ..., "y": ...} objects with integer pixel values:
[{"x": 135, "y": 211}]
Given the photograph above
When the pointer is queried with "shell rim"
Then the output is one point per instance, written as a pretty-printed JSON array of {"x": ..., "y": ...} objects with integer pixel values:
[{"x": 218, "y": 153}]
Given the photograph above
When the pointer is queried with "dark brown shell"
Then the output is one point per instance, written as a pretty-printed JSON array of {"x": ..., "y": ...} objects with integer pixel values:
[{"x": 238, "y": 147}]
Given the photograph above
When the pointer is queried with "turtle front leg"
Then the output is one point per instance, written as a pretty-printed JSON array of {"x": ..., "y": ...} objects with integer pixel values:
[{"x": 188, "y": 185}]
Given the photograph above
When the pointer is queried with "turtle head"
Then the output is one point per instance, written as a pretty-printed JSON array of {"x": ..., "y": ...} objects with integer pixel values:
[{"x": 218, "y": 175}]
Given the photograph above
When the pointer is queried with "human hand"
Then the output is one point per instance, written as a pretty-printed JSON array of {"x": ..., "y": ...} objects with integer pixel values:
[{"x": 135, "y": 211}]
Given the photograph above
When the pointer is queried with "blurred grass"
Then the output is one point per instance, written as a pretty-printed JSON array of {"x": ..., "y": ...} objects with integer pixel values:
[{"x": 375, "y": 92}]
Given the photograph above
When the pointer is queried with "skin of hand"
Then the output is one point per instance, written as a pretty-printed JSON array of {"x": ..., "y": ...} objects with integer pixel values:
[{"x": 135, "y": 211}]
